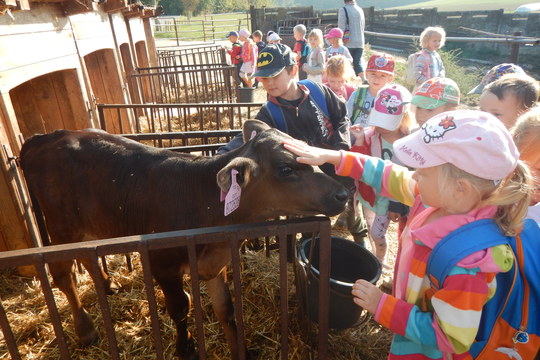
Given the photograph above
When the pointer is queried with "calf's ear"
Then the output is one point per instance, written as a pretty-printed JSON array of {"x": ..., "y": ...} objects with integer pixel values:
[
  {"x": 252, "y": 128},
  {"x": 246, "y": 168}
]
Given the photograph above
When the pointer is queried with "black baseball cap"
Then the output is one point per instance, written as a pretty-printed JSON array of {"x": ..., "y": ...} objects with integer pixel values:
[
  {"x": 273, "y": 59},
  {"x": 232, "y": 33}
]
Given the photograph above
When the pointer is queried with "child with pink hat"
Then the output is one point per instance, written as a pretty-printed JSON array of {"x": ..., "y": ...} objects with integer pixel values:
[
  {"x": 334, "y": 38},
  {"x": 468, "y": 172},
  {"x": 389, "y": 120}
]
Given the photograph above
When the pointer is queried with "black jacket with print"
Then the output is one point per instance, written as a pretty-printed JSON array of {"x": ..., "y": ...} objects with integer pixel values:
[{"x": 306, "y": 122}]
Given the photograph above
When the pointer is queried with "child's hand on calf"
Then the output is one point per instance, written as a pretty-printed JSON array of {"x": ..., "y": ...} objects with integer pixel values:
[{"x": 312, "y": 155}]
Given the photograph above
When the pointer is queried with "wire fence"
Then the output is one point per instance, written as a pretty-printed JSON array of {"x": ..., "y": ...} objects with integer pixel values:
[{"x": 207, "y": 28}]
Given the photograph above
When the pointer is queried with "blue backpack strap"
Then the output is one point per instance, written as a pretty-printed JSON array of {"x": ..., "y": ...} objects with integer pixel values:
[
  {"x": 316, "y": 93},
  {"x": 277, "y": 116},
  {"x": 460, "y": 243}
]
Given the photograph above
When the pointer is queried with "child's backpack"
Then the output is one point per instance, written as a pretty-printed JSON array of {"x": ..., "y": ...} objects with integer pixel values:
[
  {"x": 316, "y": 95},
  {"x": 304, "y": 52},
  {"x": 358, "y": 101},
  {"x": 510, "y": 323},
  {"x": 410, "y": 75}
]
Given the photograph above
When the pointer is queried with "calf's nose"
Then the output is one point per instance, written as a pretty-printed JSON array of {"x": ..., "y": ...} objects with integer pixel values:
[{"x": 342, "y": 195}]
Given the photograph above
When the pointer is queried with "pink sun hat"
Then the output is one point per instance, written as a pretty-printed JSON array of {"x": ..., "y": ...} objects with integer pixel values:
[
  {"x": 473, "y": 141},
  {"x": 334, "y": 33}
]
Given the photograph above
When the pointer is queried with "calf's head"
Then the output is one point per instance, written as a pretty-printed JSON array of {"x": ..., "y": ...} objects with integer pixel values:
[{"x": 273, "y": 183}]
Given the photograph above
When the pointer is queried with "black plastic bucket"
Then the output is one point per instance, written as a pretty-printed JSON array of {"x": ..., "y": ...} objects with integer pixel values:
[
  {"x": 245, "y": 95},
  {"x": 349, "y": 262}
]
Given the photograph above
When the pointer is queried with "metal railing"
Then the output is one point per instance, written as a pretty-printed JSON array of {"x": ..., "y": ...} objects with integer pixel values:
[
  {"x": 185, "y": 84},
  {"x": 143, "y": 245},
  {"x": 193, "y": 55},
  {"x": 154, "y": 118}
]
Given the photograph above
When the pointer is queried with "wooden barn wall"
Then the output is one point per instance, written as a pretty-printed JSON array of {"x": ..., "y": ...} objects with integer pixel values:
[{"x": 45, "y": 84}]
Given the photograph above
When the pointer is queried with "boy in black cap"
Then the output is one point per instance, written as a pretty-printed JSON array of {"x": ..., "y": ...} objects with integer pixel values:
[
  {"x": 303, "y": 109},
  {"x": 304, "y": 118}
]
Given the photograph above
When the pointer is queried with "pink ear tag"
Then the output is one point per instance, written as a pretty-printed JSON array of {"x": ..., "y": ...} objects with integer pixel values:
[
  {"x": 253, "y": 134},
  {"x": 232, "y": 199}
]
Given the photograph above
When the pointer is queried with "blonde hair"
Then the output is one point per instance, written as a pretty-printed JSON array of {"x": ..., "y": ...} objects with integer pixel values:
[
  {"x": 300, "y": 28},
  {"x": 317, "y": 34},
  {"x": 511, "y": 196},
  {"x": 525, "y": 89},
  {"x": 339, "y": 66},
  {"x": 429, "y": 32},
  {"x": 407, "y": 120},
  {"x": 526, "y": 135}
]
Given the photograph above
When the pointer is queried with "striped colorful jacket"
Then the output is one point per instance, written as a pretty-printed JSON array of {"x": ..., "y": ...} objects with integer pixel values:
[{"x": 429, "y": 324}]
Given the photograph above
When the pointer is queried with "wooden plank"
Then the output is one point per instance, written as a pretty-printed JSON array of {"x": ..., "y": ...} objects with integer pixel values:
[
  {"x": 47, "y": 103},
  {"x": 24, "y": 4},
  {"x": 77, "y": 108},
  {"x": 26, "y": 110}
]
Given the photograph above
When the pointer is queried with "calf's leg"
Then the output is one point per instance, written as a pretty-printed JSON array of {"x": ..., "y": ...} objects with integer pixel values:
[
  {"x": 64, "y": 278},
  {"x": 178, "y": 305},
  {"x": 224, "y": 310}
]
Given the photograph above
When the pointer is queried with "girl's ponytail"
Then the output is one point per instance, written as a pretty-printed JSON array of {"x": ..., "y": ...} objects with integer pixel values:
[{"x": 513, "y": 197}]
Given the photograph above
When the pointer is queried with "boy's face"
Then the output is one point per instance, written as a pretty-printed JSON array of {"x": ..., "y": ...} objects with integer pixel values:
[
  {"x": 256, "y": 38},
  {"x": 377, "y": 80},
  {"x": 233, "y": 39},
  {"x": 506, "y": 109},
  {"x": 422, "y": 115},
  {"x": 281, "y": 85},
  {"x": 297, "y": 35},
  {"x": 434, "y": 42}
]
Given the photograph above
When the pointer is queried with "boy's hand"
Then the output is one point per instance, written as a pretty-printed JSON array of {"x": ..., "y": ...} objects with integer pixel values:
[
  {"x": 312, "y": 155},
  {"x": 366, "y": 295},
  {"x": 357, "y": 132}
]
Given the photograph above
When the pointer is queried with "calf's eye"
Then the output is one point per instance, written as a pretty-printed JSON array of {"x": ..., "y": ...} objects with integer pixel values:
[{"x": 286, "y": 171}]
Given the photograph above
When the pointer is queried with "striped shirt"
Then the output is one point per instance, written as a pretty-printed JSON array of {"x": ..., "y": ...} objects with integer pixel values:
[{"x": 429, "y": 324}]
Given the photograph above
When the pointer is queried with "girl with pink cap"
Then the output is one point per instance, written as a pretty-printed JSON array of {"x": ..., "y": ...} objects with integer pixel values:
[
  {"x": 336, "y": 47},
  {"x": 467, "y": 169}
]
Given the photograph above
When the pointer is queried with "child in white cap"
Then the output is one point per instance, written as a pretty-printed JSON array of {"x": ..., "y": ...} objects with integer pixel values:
[
  {"x": 389, "y": 120},
  {"x": 468, "y": 169}
]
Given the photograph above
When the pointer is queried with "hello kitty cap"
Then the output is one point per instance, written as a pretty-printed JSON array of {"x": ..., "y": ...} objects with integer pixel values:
[
  {"x": 473, "y": 141},
  {"x": 389, "y": 107}
]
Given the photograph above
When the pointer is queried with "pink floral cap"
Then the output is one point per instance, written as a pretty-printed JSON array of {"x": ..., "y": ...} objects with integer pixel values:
[
  {"x": 388, "y": 108},
  {"x": 473, "y": 141},
  {"x": 495, "y": 73}
]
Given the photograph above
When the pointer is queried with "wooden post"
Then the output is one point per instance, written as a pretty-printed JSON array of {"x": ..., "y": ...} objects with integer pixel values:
[
  {"x": 176, "y": 32},
  {"x": 514, "y": 52}
]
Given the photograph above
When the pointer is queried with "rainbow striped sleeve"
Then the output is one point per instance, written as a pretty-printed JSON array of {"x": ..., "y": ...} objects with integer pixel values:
[
  {"x": 388, "y": 179},
  {"x": 453, "y": 324}
]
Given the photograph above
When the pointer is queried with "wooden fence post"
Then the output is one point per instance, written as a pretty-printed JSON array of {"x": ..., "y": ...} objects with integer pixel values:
[
  {"x": 514, "y": 52},
  {"x": 176, "y": 32}
]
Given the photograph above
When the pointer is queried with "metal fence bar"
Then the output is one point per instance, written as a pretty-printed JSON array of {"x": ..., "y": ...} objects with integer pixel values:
[
  {"x": 238, "y": 311},
  {"x": 179, "y": 115},
  {"x": 196, "y": 293},
  {"x": 151, "y": 297},
  {"x": 8, "y": 334}
]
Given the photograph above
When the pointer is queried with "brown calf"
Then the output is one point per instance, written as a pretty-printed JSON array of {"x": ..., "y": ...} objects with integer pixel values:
[{"x": 93, "y": 185}]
